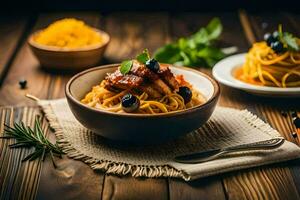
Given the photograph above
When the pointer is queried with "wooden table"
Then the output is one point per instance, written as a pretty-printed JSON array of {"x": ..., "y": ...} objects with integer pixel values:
[{"x": 131, "y": 32}]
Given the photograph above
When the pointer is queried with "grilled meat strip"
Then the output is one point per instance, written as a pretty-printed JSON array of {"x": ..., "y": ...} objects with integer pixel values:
[
  {"x": 142, "y": 71},
  {"x": 118, "y": 80},
  {"x": 168, "y": 77},
  {"x": 142, "y": 79},
  {"x": 150, "y": 91}
]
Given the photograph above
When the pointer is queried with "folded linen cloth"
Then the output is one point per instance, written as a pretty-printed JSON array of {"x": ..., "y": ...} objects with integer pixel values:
[{"x": 227, "y": 127}]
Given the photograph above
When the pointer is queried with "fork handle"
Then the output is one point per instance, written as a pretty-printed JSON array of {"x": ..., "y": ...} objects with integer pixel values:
[{"x": 256, "y": 145}]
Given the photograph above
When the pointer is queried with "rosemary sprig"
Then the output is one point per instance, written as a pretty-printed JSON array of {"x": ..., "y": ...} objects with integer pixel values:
[{"x": 32, "y": 137}]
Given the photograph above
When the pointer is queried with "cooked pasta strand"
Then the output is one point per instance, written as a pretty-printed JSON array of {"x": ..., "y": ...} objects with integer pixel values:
[
  {"x": 265, "y": 67},
  {"x": 106, "y": 100}
]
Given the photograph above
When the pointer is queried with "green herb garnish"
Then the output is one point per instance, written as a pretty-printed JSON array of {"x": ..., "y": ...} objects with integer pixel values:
[
  {"x": 126, "y": 66},
  {"x": 143, "y": 57},
  {"x": 28, "y": 137},
  {"x": 289, "y": 41},
  {"x": 196, "y": 50}
]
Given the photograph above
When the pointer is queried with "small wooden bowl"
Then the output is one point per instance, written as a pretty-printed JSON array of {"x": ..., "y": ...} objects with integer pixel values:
[
  {"x": 51, "y": 57},
  {"x": 140, "y": 128}
]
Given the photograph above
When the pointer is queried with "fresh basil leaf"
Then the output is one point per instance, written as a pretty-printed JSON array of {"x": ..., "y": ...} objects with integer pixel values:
[
  {"x": 290, "y": 41},
  {"x": 196, "y": 50},
  {"x": 211, "y": 32},
  {"x": 186, "y": 60},
  {"x": 201, "y": 37},
  {"x": 126, "y": 66},
  {"x": 168, "y": 54},
  {"x": 183, "y": 43},
  {"x": 214, "y": 28},
  {"x": 211, "y": 52},
  {"x": 143, "y": 57}
]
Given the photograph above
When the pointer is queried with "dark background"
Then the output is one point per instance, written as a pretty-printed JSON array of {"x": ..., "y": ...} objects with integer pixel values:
[{"x": 9, "y": 6}]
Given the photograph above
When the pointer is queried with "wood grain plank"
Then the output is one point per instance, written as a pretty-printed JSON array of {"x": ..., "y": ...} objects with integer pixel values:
[
  {"x": 264, "y": 183},
  {"x": 7, "y": 118},
  {"x": 18, "y": 179},
  {"x": 295, "y": 171},
  {"x": 205, "y": 188},
  {"x": 293, "y": 21},
  {"x": 246, "y": 26},
  {"x": 133, "y": 32},
  {"x": 25, "y": 66},
  {"x": 12, "y": 29},
  {"x": 132, "y": 188},
  {"x": 130, "y": 34},
  {"x": 71, "y": 179}
]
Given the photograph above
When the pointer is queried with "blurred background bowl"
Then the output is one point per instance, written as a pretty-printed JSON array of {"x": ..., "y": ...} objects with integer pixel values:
[{"x": 62, "y": 58}]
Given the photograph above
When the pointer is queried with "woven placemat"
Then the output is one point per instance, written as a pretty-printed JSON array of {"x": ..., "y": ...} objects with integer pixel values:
[{"x": 227, "y": 127}]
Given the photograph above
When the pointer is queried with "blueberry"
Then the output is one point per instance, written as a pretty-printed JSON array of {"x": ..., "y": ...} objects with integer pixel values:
[
  {"x": 153, "y": 65},
  {"x": 277, "y": 47},
  {"x": 268, "y": 37},
  {"x": 22, "y": 83},
  {"x": 186, "y": 94},
  {"x": 130, "y": 103}
]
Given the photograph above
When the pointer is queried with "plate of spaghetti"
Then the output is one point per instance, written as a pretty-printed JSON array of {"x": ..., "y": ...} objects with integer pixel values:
[
  {"x": 269, "y": 68},
  {"x": 141, "y": 100}
]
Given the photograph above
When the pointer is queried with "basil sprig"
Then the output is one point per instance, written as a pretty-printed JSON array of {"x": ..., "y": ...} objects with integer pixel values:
[
  {"x": 143, "y": 57},
  {"x": 198, "y": 49},
  {"x": 289, "y": 40},
  {"x": 127, "y": 64}
]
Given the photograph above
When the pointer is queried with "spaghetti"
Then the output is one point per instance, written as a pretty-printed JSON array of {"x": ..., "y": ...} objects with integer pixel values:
[
  {"x": 265, "y": 67},
  {"x": 107, "y": 100}
]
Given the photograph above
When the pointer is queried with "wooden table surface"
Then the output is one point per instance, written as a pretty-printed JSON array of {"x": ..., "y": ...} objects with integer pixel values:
[{"x": 130, "y": 33}]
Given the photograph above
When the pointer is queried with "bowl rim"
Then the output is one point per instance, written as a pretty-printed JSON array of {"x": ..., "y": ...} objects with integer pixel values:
[
  {"x": 215, "y": 95},
  {"x": 34, "y": 44}
]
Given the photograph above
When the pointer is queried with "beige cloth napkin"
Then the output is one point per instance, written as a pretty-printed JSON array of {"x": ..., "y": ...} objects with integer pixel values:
[{"x": 227, "y": 127}]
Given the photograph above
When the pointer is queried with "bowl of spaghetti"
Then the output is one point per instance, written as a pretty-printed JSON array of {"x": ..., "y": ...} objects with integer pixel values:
[
  {"x": 269, "y": 68},
  {"x": 167, "y": 103}
]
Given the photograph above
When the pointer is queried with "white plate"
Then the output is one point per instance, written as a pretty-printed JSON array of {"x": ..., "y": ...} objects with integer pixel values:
[{"x": 223, "y": 72}]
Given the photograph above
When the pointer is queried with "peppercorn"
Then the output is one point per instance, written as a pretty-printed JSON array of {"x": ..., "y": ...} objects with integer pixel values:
[{"x": 23, "y": 83}]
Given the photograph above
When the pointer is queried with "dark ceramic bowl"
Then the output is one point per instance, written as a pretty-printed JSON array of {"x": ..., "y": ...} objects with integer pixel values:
[{"x": 140, "y": 128}]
